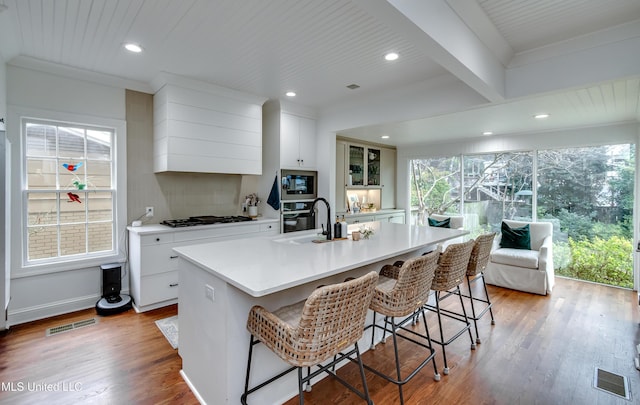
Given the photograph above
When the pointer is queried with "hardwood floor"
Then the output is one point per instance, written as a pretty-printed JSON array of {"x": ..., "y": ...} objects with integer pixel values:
[{"x": 542, "y": 350}]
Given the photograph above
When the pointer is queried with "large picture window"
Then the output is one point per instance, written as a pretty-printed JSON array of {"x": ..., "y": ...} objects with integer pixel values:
[
  {"x": 587, "y": 193},
  {"x": 69, "y": 191}
]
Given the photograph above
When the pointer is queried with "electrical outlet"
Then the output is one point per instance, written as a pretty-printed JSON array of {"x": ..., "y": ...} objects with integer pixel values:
[
  {"x": 209, "y": 292},
  {"x": 149, "y": 212}
]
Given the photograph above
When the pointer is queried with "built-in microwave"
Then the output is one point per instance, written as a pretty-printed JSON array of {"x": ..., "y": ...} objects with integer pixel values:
[{"x": 299, "y": 185}]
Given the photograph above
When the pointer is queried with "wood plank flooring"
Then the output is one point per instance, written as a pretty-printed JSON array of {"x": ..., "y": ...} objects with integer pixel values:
[{"x": 542, "y": 350}]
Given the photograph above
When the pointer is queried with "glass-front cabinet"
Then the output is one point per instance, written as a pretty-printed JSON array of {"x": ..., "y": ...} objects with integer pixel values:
[{"x": 364, "y": 166}]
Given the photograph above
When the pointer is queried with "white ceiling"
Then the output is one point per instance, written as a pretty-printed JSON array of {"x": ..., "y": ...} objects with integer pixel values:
[{"x": 317, "y": 48}]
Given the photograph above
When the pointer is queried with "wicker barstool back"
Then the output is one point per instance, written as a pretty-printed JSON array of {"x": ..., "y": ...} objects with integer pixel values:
[
  {"x": 411, "y": 289},
  {"x": 452, "y": 266},
  {"x": 332, "y": 319},
  {"x": 480, "y": 254}
]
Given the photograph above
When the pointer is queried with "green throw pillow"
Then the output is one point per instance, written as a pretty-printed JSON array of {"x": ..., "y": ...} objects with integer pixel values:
[
  {"x": 445, "y": 223},
  {"x": 515, "y": 238}
]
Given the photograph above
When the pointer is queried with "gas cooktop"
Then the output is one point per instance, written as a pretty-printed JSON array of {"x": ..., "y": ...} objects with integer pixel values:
[{"x": 204, "y": 220}]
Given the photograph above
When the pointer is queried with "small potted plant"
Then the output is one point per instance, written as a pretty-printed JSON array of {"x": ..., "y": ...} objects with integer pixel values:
[
  {"x": 252, "y": 201},
  {"x": 366, "y": 232}
]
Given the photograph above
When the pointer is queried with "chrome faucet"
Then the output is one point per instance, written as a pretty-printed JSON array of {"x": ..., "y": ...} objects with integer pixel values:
[{"x": 328, "y": 231}]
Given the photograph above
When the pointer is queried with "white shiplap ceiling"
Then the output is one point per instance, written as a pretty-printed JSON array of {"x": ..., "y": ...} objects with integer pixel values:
[{"x": 317, "y": 48}]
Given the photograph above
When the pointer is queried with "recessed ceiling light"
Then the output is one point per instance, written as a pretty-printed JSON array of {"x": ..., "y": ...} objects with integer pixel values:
[
  {"x": 487, "y": 133},
  {"x": 131, "y": 47},
  {"x": 290, "y": 94},
  {"x": 391, "y": 56},
  {"x": 385, "y": 137},
  {"x": 541, "y": 116}
]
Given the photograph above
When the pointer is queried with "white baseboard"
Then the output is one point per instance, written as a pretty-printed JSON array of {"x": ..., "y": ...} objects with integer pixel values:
[
  {"x": 34, "y": 313},
  {"x": 192, "y": 388}
]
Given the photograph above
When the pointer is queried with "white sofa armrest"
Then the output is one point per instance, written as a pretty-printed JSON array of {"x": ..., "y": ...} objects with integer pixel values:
[
  {"x": 545, "y": 261},
  {"x": 496, "y": 242}
]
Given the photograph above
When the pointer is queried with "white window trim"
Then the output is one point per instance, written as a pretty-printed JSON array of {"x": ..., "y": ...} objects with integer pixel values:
[{"x": 16, "y": 115}]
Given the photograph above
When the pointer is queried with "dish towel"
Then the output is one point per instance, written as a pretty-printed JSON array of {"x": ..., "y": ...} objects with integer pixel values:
[{"x": 274, "y": 195}]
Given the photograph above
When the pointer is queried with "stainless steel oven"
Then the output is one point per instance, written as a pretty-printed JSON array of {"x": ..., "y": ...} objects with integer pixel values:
[
  {"x": 299, "y": 185},
  {"x": 296, "y": 216}
]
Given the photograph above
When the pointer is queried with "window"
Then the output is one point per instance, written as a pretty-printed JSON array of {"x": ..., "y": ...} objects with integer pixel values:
[
  {"x": 587, "y": 193},
  {"x": 69, "y": 193}
]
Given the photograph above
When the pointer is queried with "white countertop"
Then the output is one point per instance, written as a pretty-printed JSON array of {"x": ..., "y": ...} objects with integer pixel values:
[
  {"x": 262, "y": 266},
  {"x": 158, "y": 228}
]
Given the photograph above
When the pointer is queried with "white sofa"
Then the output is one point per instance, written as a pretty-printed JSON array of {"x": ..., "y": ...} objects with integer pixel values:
[{"x": 520, "y": 269}]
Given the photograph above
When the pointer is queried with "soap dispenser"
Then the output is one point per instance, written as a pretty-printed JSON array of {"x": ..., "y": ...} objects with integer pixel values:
[
  {"x": 343, "y": 224},
  {"x": 337, "y": 228}
]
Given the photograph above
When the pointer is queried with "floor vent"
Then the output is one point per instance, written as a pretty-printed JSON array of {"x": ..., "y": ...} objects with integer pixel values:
[
  {"x": 71, "y": 326},
  {"x": 612, "y": 383}
]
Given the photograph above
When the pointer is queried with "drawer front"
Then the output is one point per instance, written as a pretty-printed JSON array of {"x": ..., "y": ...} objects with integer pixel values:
[
  {"x": 156, "y": 239},
  {"x": 158, "y": 259},
  {"x": 268, "y": 228},
  {"x": 158, "y": 288},
  {"x": 211, "y": 233}
]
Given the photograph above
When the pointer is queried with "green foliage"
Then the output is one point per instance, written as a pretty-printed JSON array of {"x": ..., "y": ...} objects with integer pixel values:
[{"x": 607, "y": 261}]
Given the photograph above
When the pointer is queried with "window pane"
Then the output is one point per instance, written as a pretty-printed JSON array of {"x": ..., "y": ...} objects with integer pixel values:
[
  {"x": 99, "y": 144},
  {"x": 587, "y": 193},
  {"x": 41, "y": 174},
  {"x": 42, "y": 209},
  {"x": 99, "y": 175},
  {"x": 73, "y": 239},
  {"x": 100, "y": 207},
  {"x": 41, "y": 140},
  {"x": 71, "y": 142},
  {"x": 72, "y": 207},
  {"x": 72, "y": 175},
  {"x": 100, "y": 237},
  {"x": 42, "y": 242},
  {"x": 435, "y": 186},
  {"x": 498, "y": 186}
]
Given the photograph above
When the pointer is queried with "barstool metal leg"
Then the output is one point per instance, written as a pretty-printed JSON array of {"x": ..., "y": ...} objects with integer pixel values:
[
  {"x": 445, "y": 370},
  {"x": 436, "y": 375},
  {"x": 466, "y": 318}
]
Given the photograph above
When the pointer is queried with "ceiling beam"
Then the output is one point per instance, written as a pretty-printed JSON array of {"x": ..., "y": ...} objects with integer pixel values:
[{"x": 436, "y": 29}]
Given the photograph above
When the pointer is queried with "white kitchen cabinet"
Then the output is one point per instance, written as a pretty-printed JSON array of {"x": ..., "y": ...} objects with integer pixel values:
[
  {"x": 297, "y": 141},
  {"x": 388, "y": 178},
  {"x": 341, "y": 182},
  {"x": 202, "y": 128},
  {"x": 362, "y": 218},
  {"x": 365, "y": 167},
  {"x": 396, "y": 217},
  {"x": 153, "y": 264}
]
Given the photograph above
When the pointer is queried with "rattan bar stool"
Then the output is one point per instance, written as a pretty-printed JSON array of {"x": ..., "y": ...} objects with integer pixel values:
[
  {"x": 310, "y": 332},
  {"x": 399, "y": 293},
  {"x": 477, "y": 263},
  {"x": 452, "y": 268}
]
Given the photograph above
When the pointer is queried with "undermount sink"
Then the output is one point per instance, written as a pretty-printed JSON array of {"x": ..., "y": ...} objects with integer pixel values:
[{"x": 303, "y": 239}]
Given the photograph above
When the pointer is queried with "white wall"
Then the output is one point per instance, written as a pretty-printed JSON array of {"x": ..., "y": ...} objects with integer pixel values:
[
  {"x": 4, "y": 233},
  {"x": 38, "y": 293}
]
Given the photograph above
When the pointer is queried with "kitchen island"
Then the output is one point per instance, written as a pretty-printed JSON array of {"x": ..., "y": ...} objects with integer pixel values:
[{"x": 220, "y": 282}]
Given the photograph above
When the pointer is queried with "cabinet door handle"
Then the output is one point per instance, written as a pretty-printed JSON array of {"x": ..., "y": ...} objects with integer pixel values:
[
  {"x": 173, "y": 285},
  {"x": 157, "y": 239},
  {"x": 173, "y": 257}
]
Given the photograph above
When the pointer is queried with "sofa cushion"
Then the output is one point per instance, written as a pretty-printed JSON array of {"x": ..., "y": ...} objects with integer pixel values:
[
  {"x": 445, "y": 223},
  {"x": 515, "y": 238},
  {"x": 516, "y": 257}
]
